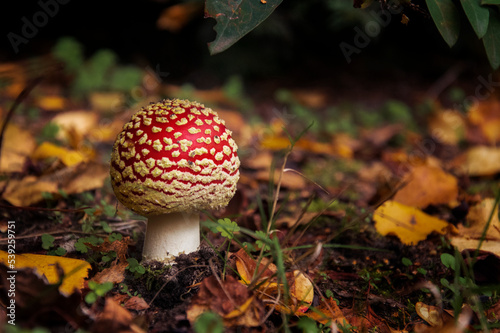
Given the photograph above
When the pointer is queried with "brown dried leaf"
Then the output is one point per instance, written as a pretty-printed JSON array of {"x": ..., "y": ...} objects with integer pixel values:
[
  {"x": 247, "y": 267},
  {"x": 326, "y": 311},
  {"x": 484, "y": 121},
  {"x": 175, "y": 17},
  {"x": 115, "y": 318},
  {"x": 230, "y": 299},
  {"x": 27, "y": 191}
]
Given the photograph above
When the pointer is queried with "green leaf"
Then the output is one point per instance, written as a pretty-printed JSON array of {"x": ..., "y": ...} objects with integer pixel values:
[
  {"x": 448, "y": 260},
  {"x": 208, "y": 322},
  {"x": 446, "y": 17},
  {"x": 227, "y": 228},
  {"x": 307, "y": 325},
  {"x": 236, "y": 18},
  {"x": 70, "y": 51},
  {"x": 47, "y": 241},
  {"x": 407, "y": 262},
  {"x": 491, "y": 40},
  {"x": 490, "y": 2},
  {"x": 125, "y": 78},
  {"x": 478, "y": 16}
]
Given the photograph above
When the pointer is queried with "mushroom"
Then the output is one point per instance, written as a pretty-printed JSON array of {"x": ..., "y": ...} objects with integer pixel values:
[{"x": 173, "y": 159}]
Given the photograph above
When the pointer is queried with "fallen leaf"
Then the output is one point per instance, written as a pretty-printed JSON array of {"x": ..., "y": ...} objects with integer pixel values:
[
  {"x": 326, "y": 311},
  {"x": 175, "y": 17},
  {"x": 300, "y": 286},
  {"x": 85, "y": 177},
  {"x": 462, "y": 244},
  {"x": 290, "y": 180},
  {"x": 484, "y": 121},
  {"x": 409, "y": 224},
  {"x": 302, "y": 290},
  {"x": 116, "y": 272},
  {"x": 278, "y": 142},
  {"x": 39, "y": 302},
  {"x": 76, "y": 179},
  {"x": 428, "y": 185},
  {"x": 106, "y": 101},
  {"x": 477, "y": 218},
  {"x": 429, "y": 313},
  {"x": 247, "y": 267},
  {"x": 27, "y": 191},
  {"x": 67, "y": 156},
  {"x": 380, "y": 136},
  {"x": 115, "y": 318},
  {"x": 17, "y": 145},
  {"x": 51, "y": 103},
  {"x": 136, "y": 303},
  {"x": 76, "y": 271},
  {"x": 230, "y": 299},
  {"x": 478, "y": 161},
  {"x": 74, "y": 125},
  {"x": 447, "y": 126}
]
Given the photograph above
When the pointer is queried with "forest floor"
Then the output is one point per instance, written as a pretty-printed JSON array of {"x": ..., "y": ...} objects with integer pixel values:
[{"x": 350, "y": 216}]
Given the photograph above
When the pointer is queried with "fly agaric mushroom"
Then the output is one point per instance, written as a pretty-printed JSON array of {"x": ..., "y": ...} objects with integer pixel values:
[{"x": 171, "y": 160}]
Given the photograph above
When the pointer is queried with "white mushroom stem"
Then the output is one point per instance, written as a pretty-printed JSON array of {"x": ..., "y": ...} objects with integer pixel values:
[{"x": 169, "y": 235}]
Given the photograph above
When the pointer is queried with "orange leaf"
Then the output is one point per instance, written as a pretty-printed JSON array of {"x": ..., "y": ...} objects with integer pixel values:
[{"x": 426, "y": 185}]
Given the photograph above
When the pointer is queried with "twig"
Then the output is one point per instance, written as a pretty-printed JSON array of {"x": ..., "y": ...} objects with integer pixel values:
[
  {"x": 63, "y": 210},
  {"x": 26, "y": 91}
]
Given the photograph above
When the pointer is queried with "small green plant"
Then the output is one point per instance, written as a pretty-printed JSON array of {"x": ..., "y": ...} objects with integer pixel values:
[
  {"x": 227, "y": 228},
  {"x": 100, "y": 72},
  {"x": 307, "y": 325},
  {"x": 97, "y": 290},
  {"x": 209, "y": 322},
  {"x": 135, "y": 267},
  {"x": 81, "y": 246},
  {"x": 125, "y": 290},
  {"x": 48, "y": 244}
]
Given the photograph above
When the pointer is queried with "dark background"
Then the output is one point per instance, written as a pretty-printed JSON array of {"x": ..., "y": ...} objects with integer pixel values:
[{"x": 296, "y": 46}]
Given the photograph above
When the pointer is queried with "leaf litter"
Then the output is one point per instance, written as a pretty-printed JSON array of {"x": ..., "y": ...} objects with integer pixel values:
[{"x": 322, "y": 248}]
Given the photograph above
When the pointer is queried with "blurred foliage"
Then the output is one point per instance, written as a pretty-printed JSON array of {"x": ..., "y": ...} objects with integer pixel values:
[
  {"x": 235, "y": 21},
  {"x": 101, "y": 72},
  {"x": 483, "y": 17}
]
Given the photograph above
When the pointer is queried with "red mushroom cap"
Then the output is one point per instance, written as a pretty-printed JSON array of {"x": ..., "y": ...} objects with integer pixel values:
[{"x": 174, "y": 156}]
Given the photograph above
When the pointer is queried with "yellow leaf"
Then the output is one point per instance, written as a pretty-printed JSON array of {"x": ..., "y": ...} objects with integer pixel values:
[
  {"x": 75, "y": 271},
  {"x": 51, "y": 103},
  {"x": 409, "y": 224},
  {"x": 67, "y": 156},
  {"x": 17, "y": 145}
]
